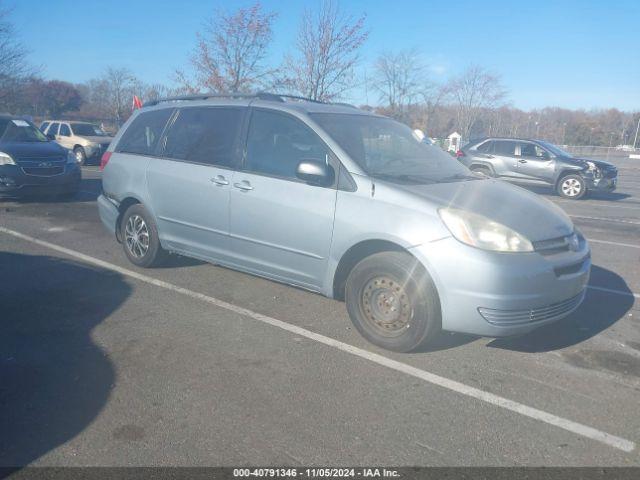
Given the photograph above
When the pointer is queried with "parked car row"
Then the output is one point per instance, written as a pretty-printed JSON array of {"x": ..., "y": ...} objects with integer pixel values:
[{"x": 349, "y": 204}]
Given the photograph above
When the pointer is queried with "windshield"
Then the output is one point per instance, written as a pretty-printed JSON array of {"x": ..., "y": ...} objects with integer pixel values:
[
  {"x": 387, "y": 149},
  {"x": 87, "y": 129},
  {"x": 16, "y": 130},
  {"x": 555, "y": 150}
]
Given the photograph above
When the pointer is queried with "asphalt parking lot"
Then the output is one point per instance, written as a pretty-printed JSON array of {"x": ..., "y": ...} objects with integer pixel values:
[{"x": 102, "y": 363}]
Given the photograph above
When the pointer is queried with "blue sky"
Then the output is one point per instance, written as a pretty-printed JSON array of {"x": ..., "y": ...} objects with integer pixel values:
[{"x": 575, "y": 54}]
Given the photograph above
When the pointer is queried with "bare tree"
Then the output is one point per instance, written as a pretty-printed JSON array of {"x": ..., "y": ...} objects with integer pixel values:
[
  {"x": 230, "y": 53},
  {"x": 13, "y": 63},
  {"x": 474, "y": 91},
  {"x": 400, "y": 80},
  {"x": 112, "y": 93},
  {"x": 327, "y": 50}
]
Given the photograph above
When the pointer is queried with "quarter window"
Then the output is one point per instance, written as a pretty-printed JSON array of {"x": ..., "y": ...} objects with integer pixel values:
[
  {"x": 205, "y": 135},
  {"x": 277, "y": 143},
  {"x": 144, "y": 132},
  {"x": 486, "y": 147},
  {"x": 44, "y": 126}
]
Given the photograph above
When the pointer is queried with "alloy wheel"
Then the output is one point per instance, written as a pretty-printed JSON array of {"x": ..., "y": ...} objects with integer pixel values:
[
  {"x": 136, "y": 234},
  {"x": 571, "y": 187}
]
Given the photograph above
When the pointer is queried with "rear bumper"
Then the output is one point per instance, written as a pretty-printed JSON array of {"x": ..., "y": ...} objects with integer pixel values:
[
  {"x": 109, "y": 214},
  {"x": 14, "y": 183}
]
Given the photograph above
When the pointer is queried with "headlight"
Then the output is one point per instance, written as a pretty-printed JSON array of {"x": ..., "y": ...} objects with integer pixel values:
[
  {"x": 71, "y": 157},
  {"x": 480, "y": 232},
  {"x": 5, "y": 159}
]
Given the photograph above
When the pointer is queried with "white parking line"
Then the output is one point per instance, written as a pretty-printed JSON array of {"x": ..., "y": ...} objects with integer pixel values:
[
  {"x": 617, "y": 292},
  {"x": 593, "y": 240},
  {"x": 452, "y": 385},
  {"x": 631, "y": 222}
]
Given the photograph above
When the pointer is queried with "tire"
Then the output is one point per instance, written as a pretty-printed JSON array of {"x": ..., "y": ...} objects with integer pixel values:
[
  {"x": 396, "y": 288},
  {"x": 81, "y": 155},
  {"x": 140, "y": 239},
  {"x": 572, "y": 187},
  {"x": 480, "y": 169}
]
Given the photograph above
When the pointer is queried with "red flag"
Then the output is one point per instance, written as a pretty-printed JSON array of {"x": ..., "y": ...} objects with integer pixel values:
[{"x": 137, "y": 103}]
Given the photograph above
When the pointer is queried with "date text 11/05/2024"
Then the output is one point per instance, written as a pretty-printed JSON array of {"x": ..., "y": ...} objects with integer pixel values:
[{"x": 316, "y": 472}]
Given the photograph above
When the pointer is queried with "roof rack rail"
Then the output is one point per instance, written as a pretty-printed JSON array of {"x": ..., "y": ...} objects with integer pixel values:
[
  {"x": 274, "y": 97},
  {"x": 205, "y": 96}
]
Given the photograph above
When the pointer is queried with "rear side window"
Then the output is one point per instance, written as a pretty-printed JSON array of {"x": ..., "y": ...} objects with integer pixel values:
[
  {"x": 141, "y": 137},
  {"x": 53, "y": 129},
  {"x": 485, "y": 147},
  {"x": 205, "y": 135},
  {"x": 277, "y": 143},
  {"x": 44, "y": 126},
  {"x": 64, "y": 130},
  {"x": 503, "y": 147}
]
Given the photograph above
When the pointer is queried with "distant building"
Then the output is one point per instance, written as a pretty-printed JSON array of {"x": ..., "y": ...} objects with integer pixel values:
[{"x": 453, "y": 142}]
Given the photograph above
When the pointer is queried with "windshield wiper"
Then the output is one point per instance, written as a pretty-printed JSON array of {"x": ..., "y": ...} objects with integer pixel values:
[
  {"x": 417, "y": 179},
  {"x": 458, "y": 176}
]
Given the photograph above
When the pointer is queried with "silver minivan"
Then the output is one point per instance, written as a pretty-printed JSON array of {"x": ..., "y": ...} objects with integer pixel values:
[{"x": 346, "y": 203}]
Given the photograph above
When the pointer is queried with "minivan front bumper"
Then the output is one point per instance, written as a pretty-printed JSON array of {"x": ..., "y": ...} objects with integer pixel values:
[{"x": 501, "y": 294}]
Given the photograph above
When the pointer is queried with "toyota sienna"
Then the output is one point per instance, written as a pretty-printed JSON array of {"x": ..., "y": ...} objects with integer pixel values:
[{"x": 346, "y": 203}]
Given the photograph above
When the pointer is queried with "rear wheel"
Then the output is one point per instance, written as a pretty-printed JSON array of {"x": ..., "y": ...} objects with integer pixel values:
[
  {"x": 140, "y": 238},
  {"x": 572, "y": 186},
  {"x": 393, "y": 302},
  {"x": 81, "y": 155}
]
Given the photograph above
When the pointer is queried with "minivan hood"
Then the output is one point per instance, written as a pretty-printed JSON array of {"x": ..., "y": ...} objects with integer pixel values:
[
  {"x": 19, "y": 150},
  {"x": 527, "y": 213}
]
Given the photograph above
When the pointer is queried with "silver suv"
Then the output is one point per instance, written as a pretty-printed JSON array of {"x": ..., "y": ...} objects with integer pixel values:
[{"x": 346, "y": 203}]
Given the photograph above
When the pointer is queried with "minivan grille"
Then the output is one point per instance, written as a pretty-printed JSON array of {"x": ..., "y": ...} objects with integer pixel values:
[{"x": 503, "y": 318}]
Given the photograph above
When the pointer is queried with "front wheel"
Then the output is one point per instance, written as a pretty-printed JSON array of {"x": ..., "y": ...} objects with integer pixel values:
[
  {"x": 393, "y": 302},
  {"x": 140, "y": 238},
  {"x": 572, "y": 186}
]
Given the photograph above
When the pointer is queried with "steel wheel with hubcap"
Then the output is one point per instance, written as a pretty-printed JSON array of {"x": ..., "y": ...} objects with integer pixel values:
[
  {"x": 572, "y": 186},
  {"x": 392, "y": 301},
  {"x": 140, "y": 237}
]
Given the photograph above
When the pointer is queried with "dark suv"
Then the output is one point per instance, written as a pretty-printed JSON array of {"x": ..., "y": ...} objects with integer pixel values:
[{"x": 536, "y": 161}]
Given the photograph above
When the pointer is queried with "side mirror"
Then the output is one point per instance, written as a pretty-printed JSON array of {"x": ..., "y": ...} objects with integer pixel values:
[
  {"x": 51, "y": 136},
  {"x": 315, "y": 172}
]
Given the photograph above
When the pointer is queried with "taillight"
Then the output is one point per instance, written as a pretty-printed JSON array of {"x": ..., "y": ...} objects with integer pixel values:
[
  {"x": 104, "y": 160},
  {"x": 459, "y": 154}
]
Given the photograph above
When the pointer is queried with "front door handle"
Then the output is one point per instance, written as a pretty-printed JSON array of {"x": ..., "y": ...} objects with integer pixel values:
[
  {"x": 219, "y": 180},
  {"x": 522, "y": 160},
  {"x": 243, "y": 185}
]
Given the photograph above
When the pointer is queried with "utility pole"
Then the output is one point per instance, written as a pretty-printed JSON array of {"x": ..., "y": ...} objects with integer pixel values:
[{"x": 636, "y": 139}]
